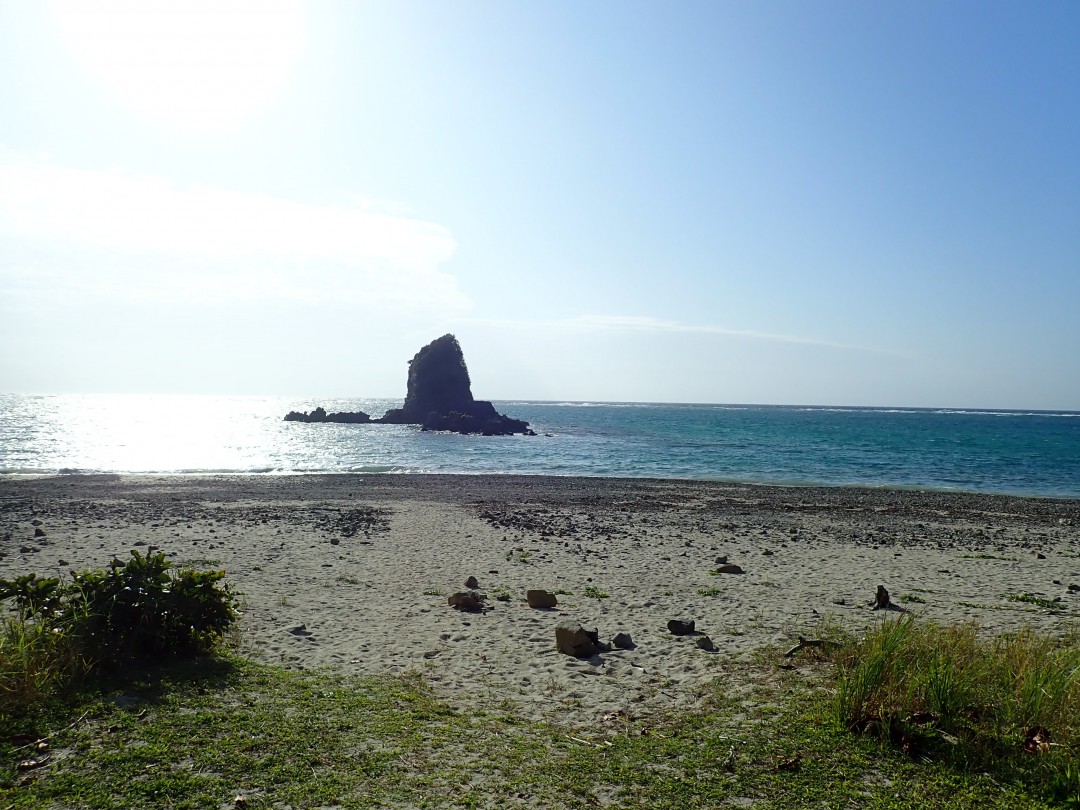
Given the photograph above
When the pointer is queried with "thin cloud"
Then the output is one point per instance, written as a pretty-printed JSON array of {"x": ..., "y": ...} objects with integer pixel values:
[
  {"x": 115, "y": 225},
  {"x": 638, "y": 323}
]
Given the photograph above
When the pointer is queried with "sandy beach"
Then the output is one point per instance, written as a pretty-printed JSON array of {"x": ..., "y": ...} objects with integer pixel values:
[{"x": 353, "y": 573}]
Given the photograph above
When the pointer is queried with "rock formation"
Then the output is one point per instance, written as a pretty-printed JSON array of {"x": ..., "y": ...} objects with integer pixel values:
[
  {"x": 320, "y": 415},
  {"x": 439, "y": 396}
]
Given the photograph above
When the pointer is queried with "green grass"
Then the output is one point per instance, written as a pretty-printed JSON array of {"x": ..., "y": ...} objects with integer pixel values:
[
  {"x": 200, "y": 734},
  {"x": 912, "y": 597},
  {"x": 593, "y": 592},
  {"x": 709, "y": 591},
  {"x": 946, "y": 693},
  {"x": 1038, "y": 601}
]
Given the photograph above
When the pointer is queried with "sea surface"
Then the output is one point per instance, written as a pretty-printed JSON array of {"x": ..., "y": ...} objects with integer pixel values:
[{"x": 1015, "y": 452}]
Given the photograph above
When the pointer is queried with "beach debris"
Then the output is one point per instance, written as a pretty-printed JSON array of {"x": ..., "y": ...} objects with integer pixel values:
[
  {"x": 623, "y": 641},
  {"x": 541, "y": 599},
  {"x": 706, "y": 643},
  {"x": 472, "y": 583},
  {"x": 33, "y": 762},
  {"x": 824, "y": 643},
  {"x": 573, "y": 639},
  {"x": 881, "y": 600},
  {"x": 789, "y": 764},
  {"x": 681, "y": 627},
  {"x": 472, "y": 601},
  {"x": 1037, "y": 740},
  {"x": 728, "y": 568}
]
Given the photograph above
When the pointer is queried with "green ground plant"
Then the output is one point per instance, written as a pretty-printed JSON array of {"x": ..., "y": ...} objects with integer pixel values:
[
  {"x": 1010, "y": 704},
  {"x": 63, "y": 629}
]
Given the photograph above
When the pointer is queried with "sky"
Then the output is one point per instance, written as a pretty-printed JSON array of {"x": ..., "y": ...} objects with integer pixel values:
[{"x": 831, "y": 203}]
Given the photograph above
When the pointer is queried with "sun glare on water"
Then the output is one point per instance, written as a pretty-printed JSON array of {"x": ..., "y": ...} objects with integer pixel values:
[{"x": 198, "y": 66}]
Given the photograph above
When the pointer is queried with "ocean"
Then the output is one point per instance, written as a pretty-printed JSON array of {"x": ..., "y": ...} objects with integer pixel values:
[{"x": 1023, "y": 453}]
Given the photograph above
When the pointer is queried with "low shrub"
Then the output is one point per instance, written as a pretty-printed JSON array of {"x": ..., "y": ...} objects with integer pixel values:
[{"x": 99, "y": 619}]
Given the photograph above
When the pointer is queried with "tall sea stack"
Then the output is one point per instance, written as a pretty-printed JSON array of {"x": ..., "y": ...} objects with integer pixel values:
[{"x": 439, "y": 396}]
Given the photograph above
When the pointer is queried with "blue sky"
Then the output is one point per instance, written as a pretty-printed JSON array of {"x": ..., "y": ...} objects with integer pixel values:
[{"x": 818, "y": 203}]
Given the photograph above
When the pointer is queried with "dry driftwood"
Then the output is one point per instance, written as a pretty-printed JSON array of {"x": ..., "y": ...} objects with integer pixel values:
[
  {"x": 812, "y": 642},
  {"x": 881, "y": 601}
]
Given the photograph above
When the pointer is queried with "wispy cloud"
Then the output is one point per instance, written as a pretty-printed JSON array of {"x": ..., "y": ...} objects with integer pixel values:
[
  {"x": 146, "y": 234},
  {"x": 641, "y": 323}
]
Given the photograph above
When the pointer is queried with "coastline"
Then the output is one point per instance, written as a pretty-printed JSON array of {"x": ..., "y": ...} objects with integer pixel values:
[{"x": 352, "y": 572}]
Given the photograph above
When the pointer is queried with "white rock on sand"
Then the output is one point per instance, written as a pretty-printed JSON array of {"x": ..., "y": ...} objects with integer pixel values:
[{"x": 353, "y": 573}]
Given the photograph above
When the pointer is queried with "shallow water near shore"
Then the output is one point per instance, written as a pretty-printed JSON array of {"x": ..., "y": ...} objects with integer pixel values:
[{"x": 1012, "y": 452}]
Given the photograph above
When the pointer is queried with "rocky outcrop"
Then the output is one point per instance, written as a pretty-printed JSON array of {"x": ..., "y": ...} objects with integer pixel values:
[
  {"x": 320, "y": 415},
  {"x": 439, "y": 396}
]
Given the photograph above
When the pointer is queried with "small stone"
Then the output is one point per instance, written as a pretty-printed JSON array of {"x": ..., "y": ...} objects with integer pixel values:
[
  {"x": 471, "y": 601},
  {"x": 1073, "y": 588},
  {"x": 767, "y": 553},
  {"x": 62, "y": 562},
  {"x": 27, "y": 549},
  {"x": 623, "y": 641},
  {"x": 721, "y": 559},
  {"x": 1040, "y": 556},
  {"x": 729, "y": 568},
  {"x": 573, "y": 639},
  {"x": 335, "y": 541},
  {"x": 472, "y": 583},
  {"x": 503, "y": 597},
  {"x": 681, "y": 627},
  {"x": 705, "y": 643},
  {"x": 300, "y": 630},
  {"x": 39, "y": 532},
  {"x": 541, "y": 599}
]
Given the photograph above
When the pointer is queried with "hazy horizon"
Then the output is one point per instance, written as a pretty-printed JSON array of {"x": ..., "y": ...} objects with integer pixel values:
[{"x": 842, "y": 205}]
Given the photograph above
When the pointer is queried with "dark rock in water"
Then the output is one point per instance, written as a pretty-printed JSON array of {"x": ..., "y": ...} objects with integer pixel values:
[
  {"x": 439, "y": 396},
  {"x": 681, "y": 627},
  {"x": 320, "y": 415},
  {"x": 573, "y": 639}
]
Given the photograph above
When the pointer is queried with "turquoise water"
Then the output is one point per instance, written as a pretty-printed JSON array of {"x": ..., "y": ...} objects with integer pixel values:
[{"x": 1029, "y": 453}]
